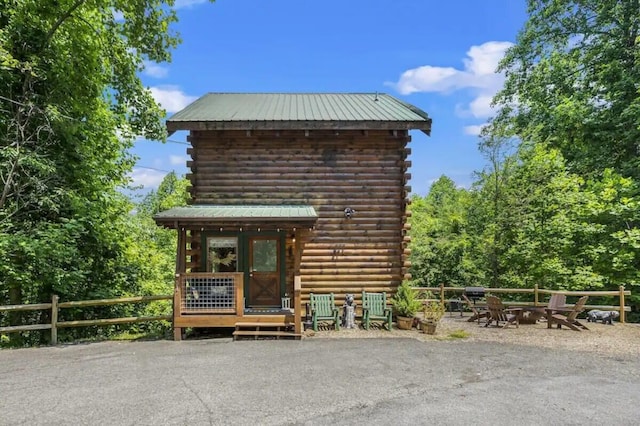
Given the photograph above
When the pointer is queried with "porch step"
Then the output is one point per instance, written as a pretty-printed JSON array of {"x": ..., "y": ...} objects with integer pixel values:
[{"x": 264, "y": 329}]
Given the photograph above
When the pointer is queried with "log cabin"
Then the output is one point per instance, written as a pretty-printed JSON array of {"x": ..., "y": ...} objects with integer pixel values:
[{"x": 291, "y": 194}]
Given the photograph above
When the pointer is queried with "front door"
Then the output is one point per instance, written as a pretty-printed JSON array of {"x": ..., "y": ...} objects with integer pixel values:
[{"x": 264, "y": 272}]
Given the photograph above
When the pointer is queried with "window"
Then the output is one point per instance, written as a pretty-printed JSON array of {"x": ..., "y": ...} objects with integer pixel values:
[{"x": 222, "y": 254}]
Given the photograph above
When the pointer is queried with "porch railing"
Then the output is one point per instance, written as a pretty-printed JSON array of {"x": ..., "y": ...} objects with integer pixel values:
[{"x": 209, "y": 293}]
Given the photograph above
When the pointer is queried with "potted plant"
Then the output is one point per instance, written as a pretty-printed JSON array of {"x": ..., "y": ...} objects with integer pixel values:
[
  {"x": 433, "y": 312},
  {"x": 405, "y": 303}
]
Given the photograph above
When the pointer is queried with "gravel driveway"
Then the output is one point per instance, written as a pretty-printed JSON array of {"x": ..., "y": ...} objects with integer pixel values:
[{"x": 317, "y": 381}]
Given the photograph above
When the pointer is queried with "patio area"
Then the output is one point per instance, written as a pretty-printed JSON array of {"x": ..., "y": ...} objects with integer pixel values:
[{"x": 617, "y": 339}]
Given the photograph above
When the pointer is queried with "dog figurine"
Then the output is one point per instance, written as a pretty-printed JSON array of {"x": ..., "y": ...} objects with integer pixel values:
[
  {"x": 349, "y": 312},
  {"x": 604, "y": 316}
]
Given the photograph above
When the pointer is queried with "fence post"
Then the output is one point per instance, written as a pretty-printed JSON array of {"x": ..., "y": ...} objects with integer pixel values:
[
  {"x": 535, "y": 295},
  {"x": 622, "y": 304},
  {"x": 442, "y": 294},
  {"x": 54, "y": 319}
]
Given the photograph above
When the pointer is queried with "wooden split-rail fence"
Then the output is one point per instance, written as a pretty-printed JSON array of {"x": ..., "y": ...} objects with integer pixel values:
[
  {"x": 56, "y": 305},
  {"x": 442, "y": 294}
]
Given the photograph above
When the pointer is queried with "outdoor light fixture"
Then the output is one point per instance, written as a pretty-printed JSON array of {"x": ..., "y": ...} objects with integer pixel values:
[{"x": 349, "y": 212}]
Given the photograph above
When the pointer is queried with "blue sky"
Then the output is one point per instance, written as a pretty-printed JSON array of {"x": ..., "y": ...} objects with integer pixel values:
[{"x": 437, "y": 55}]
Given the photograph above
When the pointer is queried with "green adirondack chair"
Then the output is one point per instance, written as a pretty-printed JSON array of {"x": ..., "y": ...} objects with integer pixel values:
[
  {"x": 374, "y": 307},
  {"x": 323, "y": 308}
]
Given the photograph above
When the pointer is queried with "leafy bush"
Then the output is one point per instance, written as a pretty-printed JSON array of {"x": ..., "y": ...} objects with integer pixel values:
[{"x": 405, "y": 302}]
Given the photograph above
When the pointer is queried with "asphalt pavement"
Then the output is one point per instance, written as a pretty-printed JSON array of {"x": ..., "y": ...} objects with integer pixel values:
[{"x": 316, "y": 381}]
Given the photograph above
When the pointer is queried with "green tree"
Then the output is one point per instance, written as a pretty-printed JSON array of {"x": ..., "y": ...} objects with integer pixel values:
[
  {"x": 572, "y": 83},
  {"x": 489, "y": 216},
  {"x": 440, "y": 243},
  {"x": 71, "y": 102},
  {"x": 611, "y": 238},
  {"x": 172, "y": 192},
  {"x": 544, "y": 204},
  {"x": 153, "y": 249}
]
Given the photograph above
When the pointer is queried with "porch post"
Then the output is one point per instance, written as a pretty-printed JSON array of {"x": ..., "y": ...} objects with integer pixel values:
[
  {"x": 180, "y": 269},
  {"x": 297, "y": 282},
  {"x": 297, "y": 304}
]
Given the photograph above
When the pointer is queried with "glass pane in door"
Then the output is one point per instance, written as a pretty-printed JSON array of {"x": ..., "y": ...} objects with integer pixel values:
[{"x": 265, "y": 256}]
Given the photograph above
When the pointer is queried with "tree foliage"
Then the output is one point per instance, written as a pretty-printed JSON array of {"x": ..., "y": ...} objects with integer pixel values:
[
  {"x": 572, "y": 83},
  {"x": 71, "y": 102},
  {"x": 441, "y": 246}
]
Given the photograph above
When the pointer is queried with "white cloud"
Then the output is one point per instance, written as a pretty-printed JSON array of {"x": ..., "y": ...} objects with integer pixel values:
[
  {"x": 177, "y": 160},
  {"x": 147, "y": 178},
  {"x": 171, "y": 98},
  {"x": 480, "y": 107},
  {"x": 484, "y": 59},
  {"x": 187, "y": 3},
  {"x": 473, "y": 130},
  {"x": 154, "y": 70},
  {"x": 427, "y": 79},
  {"x": 478, "y": 76}
]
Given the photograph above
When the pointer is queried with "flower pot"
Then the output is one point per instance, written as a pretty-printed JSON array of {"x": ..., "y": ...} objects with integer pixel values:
[
  {"x": 428, "y": 327},
  {"x": 405, "y": 323}
]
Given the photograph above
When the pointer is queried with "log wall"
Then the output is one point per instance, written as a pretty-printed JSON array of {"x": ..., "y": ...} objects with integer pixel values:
[{"x": 362, "y": 170}]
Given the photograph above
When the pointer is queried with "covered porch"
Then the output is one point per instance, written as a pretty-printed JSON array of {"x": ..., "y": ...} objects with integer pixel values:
[{"x": 239, "y": 266}]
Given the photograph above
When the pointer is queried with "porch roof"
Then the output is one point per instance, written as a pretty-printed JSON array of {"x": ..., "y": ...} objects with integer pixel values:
[{"x": 215, "y": 214}]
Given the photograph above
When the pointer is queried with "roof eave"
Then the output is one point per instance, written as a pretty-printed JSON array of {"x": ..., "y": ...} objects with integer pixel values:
[
  {"x": 281, "y": 222},
  {"x": 176, "y": 125},
  {"x": 236, "y": 219}
]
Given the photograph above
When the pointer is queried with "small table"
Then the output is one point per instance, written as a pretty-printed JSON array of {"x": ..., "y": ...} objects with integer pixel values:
[{"x": 529, "y": 314}]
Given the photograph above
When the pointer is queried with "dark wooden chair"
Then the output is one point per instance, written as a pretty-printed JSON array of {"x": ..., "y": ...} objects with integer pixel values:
[
  {"x": 567, "y": 316},
  {"x": 323, "y": 308},
  {"x": 499, "y": 313},
  {"x": 557, "y": 301},
  {"x": 476, "y": 313},
  {"x": 374, "y": 308}
]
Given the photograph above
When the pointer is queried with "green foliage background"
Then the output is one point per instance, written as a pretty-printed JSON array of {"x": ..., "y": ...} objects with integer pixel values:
[
  {"x": 558, "y": 203},
  {"x": 71, "y": 104}
]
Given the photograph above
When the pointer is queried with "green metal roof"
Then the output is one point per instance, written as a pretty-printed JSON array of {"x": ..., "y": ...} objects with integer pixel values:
[
  {"x": 240, "y": 111},
  {"x": 212, "y": 213}
]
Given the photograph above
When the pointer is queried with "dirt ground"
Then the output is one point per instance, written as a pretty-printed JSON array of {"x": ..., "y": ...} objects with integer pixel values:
[{"x": 612, "y": 340}]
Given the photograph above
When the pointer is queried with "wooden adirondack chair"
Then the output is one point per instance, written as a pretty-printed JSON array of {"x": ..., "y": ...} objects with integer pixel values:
[
  {"x": 323, "y": 308},
  {"x": 554, "y": 316},
  {"x": 476, "y": 313},
  {"x": 374, "y": 307},
  {"x": 557, "y": 301},
  {"x": 498, "y": 312}
]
